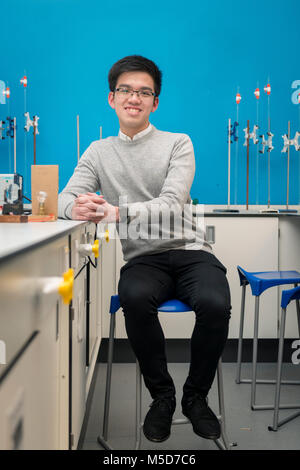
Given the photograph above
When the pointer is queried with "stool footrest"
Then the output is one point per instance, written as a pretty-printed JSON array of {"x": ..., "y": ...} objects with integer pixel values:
[
  {"x": 104, "y": 443},
  {"x": 289, "y": 406},
  {"x": 181, "y": 421},
  {"x": 266, "y": 381}
]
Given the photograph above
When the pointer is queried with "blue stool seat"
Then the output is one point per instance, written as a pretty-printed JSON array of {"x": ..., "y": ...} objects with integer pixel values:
[
  {"x": 170, "y": 306},
  {"x": 174, "y": 306},
  {"x": 288, "y": 295},
  {"x": 263, "y": 280},
  {"x": 260, "y": 281}
]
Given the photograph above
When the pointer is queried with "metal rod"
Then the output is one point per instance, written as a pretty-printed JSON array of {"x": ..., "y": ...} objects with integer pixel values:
[
  {"x": 34, "y": 144},
  {"x": 269, "y": 159},
  {"x": 229, "y": 135},
  {"x": 247, "y": 197},
  {"x": 257, "y": 161},
  {"x": 269, "y": 171},
  {"x": 78, "y": 139},
  {"x": 15, "y": 145},
  {"x": 288, "y": 168},
  {"x": 236, "y": 156}
]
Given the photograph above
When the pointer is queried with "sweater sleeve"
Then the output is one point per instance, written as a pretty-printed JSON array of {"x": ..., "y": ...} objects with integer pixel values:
[
  {"x": 84, "y": 179},
  {"x": 176, "y": 188}
]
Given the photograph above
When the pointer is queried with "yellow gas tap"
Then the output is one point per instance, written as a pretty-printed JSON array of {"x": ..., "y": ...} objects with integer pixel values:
[
  {"x": 65, "y": 289},
  {"x": 95, "y": 248}
]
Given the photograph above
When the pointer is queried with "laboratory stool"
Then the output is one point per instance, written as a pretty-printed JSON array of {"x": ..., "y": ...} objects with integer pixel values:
[
  {"x": 171, "y": 306},
  {"x": 259, "y": 282},
  {"x": 286, "y": 297}
]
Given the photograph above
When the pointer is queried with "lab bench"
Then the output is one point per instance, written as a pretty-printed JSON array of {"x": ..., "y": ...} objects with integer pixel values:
[{"x": 51, "y": 348}]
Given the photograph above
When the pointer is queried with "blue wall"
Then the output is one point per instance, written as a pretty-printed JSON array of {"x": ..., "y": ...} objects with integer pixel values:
[{"x": 206, "y": 50}]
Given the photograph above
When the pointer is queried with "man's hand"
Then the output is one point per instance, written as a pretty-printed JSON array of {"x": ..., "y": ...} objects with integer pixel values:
[{"x": 95, "y": 208}]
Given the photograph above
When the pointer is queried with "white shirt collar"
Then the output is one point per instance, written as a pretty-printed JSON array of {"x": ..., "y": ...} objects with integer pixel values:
[{"x": 136, "y": 136}]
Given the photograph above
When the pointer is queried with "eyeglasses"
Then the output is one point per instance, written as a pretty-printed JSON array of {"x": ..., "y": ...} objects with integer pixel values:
[{"x": 129, "y": 91}]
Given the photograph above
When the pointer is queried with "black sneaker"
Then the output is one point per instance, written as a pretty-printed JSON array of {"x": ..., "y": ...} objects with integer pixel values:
[
  {"x": 157, "y": 424},
  {"x": 204, "y": 421}
]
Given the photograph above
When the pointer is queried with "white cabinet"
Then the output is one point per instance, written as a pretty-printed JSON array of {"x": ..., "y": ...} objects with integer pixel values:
[
  {"x": 34, "y": 384},
  {"x": 252, "y": 243},
  {"x": 289, "y": 259},
  {"x": 51, "y": 347}
]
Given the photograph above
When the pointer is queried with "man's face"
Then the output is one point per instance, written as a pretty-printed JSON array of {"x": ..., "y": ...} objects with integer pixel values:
[{"x": 133, "y": 111}]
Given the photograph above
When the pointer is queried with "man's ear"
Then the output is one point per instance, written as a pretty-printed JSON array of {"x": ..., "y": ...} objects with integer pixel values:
[
  {"x": 111, "y": 99},
  {"x": 155, "y": 104}
]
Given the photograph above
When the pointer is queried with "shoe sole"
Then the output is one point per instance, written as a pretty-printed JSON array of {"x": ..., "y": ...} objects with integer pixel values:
[
  {"x": 204, "y": 436},
  {"x": 155, "y": 439}
]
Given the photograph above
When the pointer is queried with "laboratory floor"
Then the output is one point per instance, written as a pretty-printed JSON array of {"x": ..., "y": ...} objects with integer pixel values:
[{"x": 248, "y": 428}]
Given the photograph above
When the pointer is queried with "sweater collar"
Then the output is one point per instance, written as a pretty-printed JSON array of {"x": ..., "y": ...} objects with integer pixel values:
[{"x": 137, "y": 136}]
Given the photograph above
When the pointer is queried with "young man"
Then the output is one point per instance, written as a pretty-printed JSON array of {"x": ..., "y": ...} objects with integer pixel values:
[{"x": 153, "y": 172}]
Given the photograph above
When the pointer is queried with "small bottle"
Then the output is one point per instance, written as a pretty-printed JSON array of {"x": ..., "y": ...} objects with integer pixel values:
[{"x": 42, "y": 195}]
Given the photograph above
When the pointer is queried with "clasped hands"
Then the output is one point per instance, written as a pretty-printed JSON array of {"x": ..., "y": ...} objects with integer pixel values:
[{"x": 95, "y": 208}]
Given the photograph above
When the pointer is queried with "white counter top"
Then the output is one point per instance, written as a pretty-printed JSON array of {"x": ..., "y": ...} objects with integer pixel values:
[{"x": 16, "y": 237}]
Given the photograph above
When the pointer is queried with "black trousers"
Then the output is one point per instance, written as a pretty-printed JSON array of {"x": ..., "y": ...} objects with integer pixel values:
[{"x": 192, "y": 276}]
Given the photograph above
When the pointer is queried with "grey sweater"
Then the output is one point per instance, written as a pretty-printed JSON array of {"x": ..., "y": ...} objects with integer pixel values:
[{"x": 149, "y": 178}]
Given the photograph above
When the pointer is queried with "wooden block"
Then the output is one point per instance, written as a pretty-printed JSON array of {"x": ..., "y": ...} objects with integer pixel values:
[
  {"x": 44, "y": 178},
  {"x": 41, "y": 218},
  {"x": 13, "y": 218}
]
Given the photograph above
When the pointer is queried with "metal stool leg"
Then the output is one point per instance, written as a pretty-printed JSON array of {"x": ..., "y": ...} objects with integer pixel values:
[
  {"x": 254, "y": 359},
  {"x": 279, "y": 371},
  {"x": 298, "y": 315},
  {"x": 254, "y": 380},
  {"x": 276, "y": 422},
  {"x": 240, "y": 345},
  {"x": 102, "y": 439},
  {"x": 239, "y": 380},
  {"x": 138, "y": 407},
  {"x": 223, "y": 444}
]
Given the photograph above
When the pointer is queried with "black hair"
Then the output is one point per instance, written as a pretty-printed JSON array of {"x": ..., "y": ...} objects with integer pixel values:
[{"x": 135, "y": 63}]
